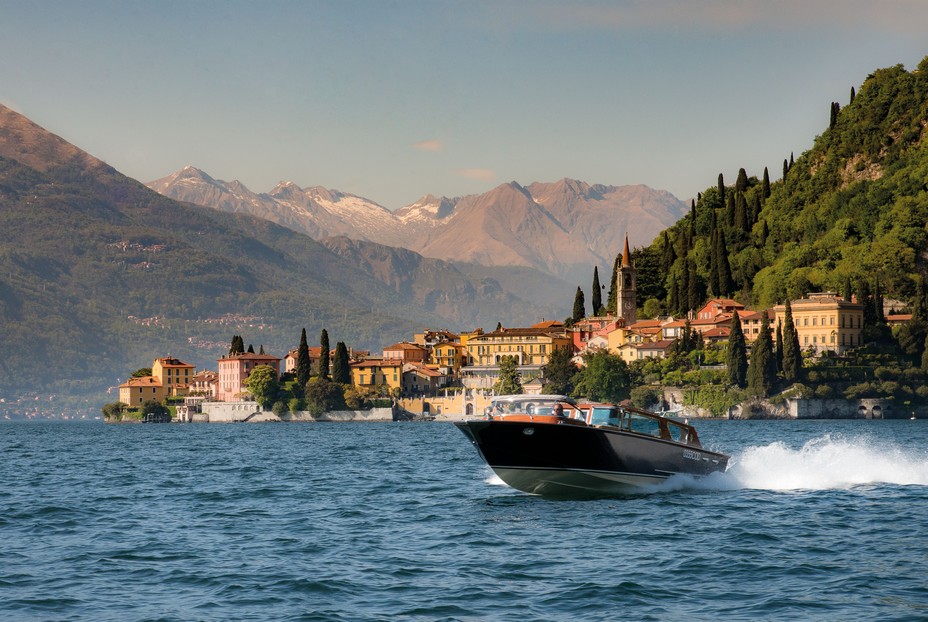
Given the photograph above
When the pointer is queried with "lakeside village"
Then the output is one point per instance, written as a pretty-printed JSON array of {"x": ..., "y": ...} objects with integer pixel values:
[{"x": 722, "y": 360}]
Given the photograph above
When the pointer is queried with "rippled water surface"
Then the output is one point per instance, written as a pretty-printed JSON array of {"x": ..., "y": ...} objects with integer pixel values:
[{"x": 813, "y": 521}]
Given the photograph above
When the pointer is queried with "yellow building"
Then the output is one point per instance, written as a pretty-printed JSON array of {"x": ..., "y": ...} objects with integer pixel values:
[
  {"x": 136, "y": 391},
  {"x": 376, "y": 373},
  {"x": 825, "y": 322},
  {"x": 175, "y": 375},
  {"x": 449, "y": 356},
  {"x": 529, "y": 346},
  {"x": 169, "y": 377}
]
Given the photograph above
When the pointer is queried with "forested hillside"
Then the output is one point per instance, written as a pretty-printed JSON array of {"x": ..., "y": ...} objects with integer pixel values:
[{"x": 849, "y": 215}]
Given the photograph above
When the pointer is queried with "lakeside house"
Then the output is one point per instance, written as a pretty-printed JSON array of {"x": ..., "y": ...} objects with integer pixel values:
[{"x": 234, "y": 370}]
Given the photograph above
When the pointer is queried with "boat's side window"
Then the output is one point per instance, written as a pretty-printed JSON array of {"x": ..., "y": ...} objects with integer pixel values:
[
  {"x": 644, "y": 425},
  {"x": 677, "y": 432},
  {"x": 600, "y": 416}
]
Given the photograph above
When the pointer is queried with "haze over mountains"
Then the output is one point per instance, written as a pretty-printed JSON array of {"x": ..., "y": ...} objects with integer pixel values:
[
  {"x": 99, "y": 275},
  {"x": 562, "y": 228}
]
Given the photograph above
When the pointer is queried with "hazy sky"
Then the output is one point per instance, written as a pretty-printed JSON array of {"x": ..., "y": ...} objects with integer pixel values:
[{"x": 393, "y": 100}]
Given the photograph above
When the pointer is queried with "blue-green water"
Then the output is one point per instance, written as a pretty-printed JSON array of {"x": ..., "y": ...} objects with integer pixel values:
[{"x": 814, "y": 520}]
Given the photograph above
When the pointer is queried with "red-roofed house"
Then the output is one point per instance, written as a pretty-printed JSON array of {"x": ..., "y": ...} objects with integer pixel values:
[
  {"x": 717, "y": 306},
  {"x": 655, "y": 349},
  {"x": 406, "y": 352}
]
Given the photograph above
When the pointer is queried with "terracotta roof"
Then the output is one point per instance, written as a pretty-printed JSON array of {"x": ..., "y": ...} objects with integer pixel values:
[
  {"x": 422, "y": 369},
  {"x": 518, "y": 332},
  {"x": 548, "y": 324},
  {"x": 899, "y": 317},
  {"x": 663, "y": 344},
  {"x": 405, "y": 346},
  {"x": 645, "y": 324},
  {"x": 675, "y": 324},
  {"x": 142, "y": 381},
  {"x": 250, "y": 356},
  {"x": 720, "y": 331},
  {"x": 172, "y": 362},
  {"x": 378, "y": 363}
]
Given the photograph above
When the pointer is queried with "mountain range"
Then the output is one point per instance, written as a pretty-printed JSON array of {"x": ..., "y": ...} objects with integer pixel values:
[
  {"x": 562, "y": 228},
  {"x": 99, "y": 275}
]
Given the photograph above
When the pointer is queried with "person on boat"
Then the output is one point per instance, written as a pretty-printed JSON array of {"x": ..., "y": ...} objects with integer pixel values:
[{"x": 558, "y": 410}]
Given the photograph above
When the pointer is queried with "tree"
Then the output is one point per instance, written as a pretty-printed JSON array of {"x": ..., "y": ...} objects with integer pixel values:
[
  {"x": 302, "y": 361},
  {"x": 765, "y": 189},
  {"x": 141, "y": 373},
  {"x": 736, "y": 357},
  {"x": 156, "y": 411},
  {"x": 510, "y": 379},
  {"x": 323, "y": 395},
  {"x": 263, "y": 384},
  {"x": 341, "y": 371},
  {"x": 251, "y": 349},
  {"x": 579, "y": 306},
  {"x": 761, "y": 370},
  {"x": 604, "y": 379},
  {"x": 925, "y": 357},
  {"x": 612, "y": 301},
  {"x": 721, "y": 189},
  {"x": 853, "y": 95},
  {"x": 324, "y": 354},
  {"x": 725, "y": 283},
  {"x": 559, "y": 371},
  {"x": 237, "y": 346},
  {"x": 792, "y": 355},
  {"x": 778, "y": 351},
  {"x": 596, "y": 295}
]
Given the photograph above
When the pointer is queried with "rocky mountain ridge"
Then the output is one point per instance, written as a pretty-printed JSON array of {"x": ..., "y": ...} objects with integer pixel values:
[{"x": 562, "y": 228}]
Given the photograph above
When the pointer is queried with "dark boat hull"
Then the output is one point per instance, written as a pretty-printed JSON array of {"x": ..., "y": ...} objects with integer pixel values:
[{"x": 558, "y": 459}]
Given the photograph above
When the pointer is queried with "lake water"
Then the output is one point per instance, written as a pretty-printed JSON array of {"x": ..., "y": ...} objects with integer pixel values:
[{"x": 815, "y": 520}]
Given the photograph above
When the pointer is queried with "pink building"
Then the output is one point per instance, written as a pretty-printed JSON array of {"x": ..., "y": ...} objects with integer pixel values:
[{"x": 234, "y": 370}]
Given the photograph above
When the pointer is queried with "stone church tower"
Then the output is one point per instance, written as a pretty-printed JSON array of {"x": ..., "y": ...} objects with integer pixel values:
[{"x": 626, "y": 297}]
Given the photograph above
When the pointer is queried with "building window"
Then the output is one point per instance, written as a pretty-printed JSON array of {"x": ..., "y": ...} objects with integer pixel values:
[
  {"x": 805, "y": 321},
  {"x": 814, "y": 321}
]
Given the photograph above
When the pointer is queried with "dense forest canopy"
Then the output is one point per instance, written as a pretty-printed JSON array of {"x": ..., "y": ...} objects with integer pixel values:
[{"x": 849, "y": 213}]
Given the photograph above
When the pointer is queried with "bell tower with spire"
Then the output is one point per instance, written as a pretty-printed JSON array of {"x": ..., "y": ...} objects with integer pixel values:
[{"x": 626, "y": 297}]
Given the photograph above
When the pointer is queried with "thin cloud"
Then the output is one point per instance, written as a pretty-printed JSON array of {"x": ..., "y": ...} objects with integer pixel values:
[
  {"x": 433, "y": 145},
  {"x": 481, "y": 174}
]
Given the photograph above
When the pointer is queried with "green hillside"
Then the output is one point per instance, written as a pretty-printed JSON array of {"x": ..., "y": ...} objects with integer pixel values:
[
  {"x": 98, "y": 274},
  {"x": 850, "y": 214}
]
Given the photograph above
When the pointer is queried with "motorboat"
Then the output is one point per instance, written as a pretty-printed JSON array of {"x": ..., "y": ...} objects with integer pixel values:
[{"x": 552, "y": 445}]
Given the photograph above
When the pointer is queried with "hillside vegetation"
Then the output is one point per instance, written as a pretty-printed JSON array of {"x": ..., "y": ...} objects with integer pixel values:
[{"x": 850, "y": 213}]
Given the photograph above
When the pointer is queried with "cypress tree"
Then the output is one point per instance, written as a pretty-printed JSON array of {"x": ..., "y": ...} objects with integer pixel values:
[
  {"x": 324, "y": 354},
  {"x": 579, "y": 306},
  {"x": 596, "y": 296},
  {"x": 766, "y": 186},
  {"x": 755, "y": 212},
  {"x": 878, "y": 303},
  {"x": 761, "y": 370},
  {"x": 302, "y": 361},
  {"x": 726, "y": 284},
  {"x": 730, "y": 211},
  {"x": 692, "y": 238},
  {"x": 778, "y": 351},
  {"x": 741, "y": 216},
  {"x": 764, "y": 233},
  {"x": 499, "y": 326},
  {"x": 792, "y": 355},
  {"x": 668, "y": 256},
  {"x": 695, "y": 293},
  {"x": 341, "y": 370},
  {"x": 741, "y": 184},
  {"x": 237, "y": 346},
  {"x": 613, "y": 286},
  {"x": 251, "y": 349},
  {"x": 721, "y": 189},
  {"x": 736, "y": 357},
  {"x": 791, "y": 160},
  {"x": 261, "y": 349},
  {"x": 834, "y": 115},
  {"x": 785, "y": 168},
  {"x": 853, "y": 95},
  {"x": 848, "y": 290},
  {"x": 925, "y": 356}
]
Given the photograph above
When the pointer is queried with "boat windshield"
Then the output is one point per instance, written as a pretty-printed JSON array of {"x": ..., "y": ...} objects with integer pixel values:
[
  {"x": 527, "y": 405},
  {"x": 606, "y": 415}
]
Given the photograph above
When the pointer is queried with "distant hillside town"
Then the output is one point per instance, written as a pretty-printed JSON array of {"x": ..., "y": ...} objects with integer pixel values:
[{"x": 436, "y": 362}]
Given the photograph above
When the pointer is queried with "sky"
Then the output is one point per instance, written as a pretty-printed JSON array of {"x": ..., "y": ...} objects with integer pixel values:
[{"x": 392, "y": 100}]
